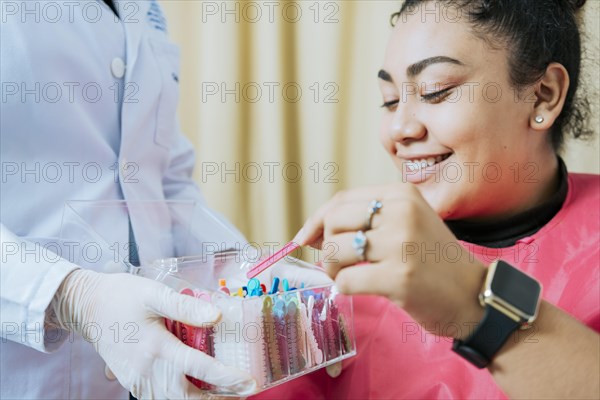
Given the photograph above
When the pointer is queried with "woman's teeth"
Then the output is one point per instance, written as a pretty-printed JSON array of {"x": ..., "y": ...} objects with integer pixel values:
[{"x": 415, "y": 165}]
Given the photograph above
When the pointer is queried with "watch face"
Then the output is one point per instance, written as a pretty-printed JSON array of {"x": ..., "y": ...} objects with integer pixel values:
[{"x": 516, "y": 288}]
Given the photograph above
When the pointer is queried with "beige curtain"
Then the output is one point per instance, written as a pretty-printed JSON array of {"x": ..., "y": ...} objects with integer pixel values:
[{"x": 280, "y": 99}]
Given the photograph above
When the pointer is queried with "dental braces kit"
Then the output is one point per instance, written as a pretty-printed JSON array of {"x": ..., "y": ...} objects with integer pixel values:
[{"x": 275, "y": 335}]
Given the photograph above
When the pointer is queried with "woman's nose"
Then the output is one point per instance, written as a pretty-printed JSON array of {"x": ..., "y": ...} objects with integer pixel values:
[{"x": 406, "y": 128}]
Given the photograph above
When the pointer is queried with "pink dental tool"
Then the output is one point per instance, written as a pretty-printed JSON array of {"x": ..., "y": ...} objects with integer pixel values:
[{"x": 267, "y": 262}]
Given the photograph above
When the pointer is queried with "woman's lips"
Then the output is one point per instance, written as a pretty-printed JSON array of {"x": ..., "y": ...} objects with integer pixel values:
[
  {"x": 418, "y": 169},
  {"x": 414, "y": 164}
]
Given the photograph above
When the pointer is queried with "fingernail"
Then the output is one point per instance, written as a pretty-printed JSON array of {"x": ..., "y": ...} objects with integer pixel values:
[
  {"x": 299, "y": 238},
  {"x": 109, "y": 374},
  {"x": 216, "y": 314},
  {"x": 213, "y": 314},
  {"x": 245, "y": 388},
  {"x": 232, "y": 379},
  {"x": 334, "y": 370}
]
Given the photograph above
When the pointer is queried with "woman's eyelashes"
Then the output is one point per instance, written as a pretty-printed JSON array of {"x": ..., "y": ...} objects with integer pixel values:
[
  {"x": 390, "y": 105},
  {"x": 437, "y": 97},
  {"x": 432, "y": 98}
]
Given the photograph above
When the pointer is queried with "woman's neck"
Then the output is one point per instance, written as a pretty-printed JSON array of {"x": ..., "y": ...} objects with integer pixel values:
[{"x": 504, "y": 232}]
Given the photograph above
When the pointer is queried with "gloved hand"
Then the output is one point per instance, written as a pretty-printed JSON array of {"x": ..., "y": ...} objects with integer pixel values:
[{"x": 122, "y": 315}]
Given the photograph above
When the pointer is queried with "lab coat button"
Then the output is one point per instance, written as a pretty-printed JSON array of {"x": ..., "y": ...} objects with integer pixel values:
[
  {"x": 109, "y": 374},
  {"x": 117, "y": 66}
]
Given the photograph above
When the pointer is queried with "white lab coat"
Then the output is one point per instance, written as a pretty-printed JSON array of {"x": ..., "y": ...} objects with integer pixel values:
[{"x": 88, "y": 112}]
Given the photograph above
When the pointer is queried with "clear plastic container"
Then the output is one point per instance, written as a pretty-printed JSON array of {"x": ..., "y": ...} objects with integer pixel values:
[{"x": 275, "y": 337}]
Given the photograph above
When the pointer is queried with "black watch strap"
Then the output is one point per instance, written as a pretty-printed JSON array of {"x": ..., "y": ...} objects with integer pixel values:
[{"x": 492, "y": 332}]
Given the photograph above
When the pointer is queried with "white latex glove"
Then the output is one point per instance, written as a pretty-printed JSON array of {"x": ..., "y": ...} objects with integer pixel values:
[
  {"x": 297, "y": 272},
  {"x": 122, "y": 315}
]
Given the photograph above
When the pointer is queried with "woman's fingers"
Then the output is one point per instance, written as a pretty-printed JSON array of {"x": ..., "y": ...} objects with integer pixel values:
[
  {"x": 312, "y": 230},
  {"x": 339, "y": 252},
  {"x": 355, "y": 204},
  {"x": 371, "y": 278}
]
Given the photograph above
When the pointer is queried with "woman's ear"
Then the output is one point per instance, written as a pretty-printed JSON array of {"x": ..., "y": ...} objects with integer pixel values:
[{"x": 551, "y": 92}]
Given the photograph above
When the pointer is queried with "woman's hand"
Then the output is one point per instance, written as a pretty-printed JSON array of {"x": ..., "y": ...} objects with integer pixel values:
[{"x": 411, "y": 257}]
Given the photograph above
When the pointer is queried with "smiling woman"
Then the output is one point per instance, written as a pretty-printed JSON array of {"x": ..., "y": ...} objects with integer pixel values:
[
  {"x": 488, "y": 247},
  {"x": 447, "y": 101}
]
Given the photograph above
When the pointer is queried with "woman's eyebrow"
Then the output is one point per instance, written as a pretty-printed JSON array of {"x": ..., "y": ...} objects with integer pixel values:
[
  {"x": 384, "y": 75},
  {"x": 415, "y": 69},
  {"x": 418, "y": 67}
]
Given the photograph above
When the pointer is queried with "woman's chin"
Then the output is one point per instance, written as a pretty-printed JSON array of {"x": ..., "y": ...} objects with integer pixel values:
[{"x": 439, "y": 199}]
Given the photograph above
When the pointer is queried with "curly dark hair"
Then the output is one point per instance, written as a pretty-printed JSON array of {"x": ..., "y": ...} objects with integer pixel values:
[{"x": 537, "y": 33}]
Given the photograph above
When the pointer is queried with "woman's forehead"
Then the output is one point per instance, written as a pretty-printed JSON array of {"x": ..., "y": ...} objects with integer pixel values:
[{"x": 416, "y": 38}]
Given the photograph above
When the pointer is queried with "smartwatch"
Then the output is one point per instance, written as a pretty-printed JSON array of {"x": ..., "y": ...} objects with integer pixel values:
[{"x": 511, "y": 300}]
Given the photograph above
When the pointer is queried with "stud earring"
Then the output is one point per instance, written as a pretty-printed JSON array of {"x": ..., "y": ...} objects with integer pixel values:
[{"x": 539, "y": 119}]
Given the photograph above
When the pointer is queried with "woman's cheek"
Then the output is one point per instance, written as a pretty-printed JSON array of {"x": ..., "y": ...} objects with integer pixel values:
[{"x": 384, "y": 136}]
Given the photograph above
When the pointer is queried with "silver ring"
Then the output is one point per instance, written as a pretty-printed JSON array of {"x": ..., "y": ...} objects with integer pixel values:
[
  {"x": 374, "y": 207},
  {"x": 359, "y": 244}
]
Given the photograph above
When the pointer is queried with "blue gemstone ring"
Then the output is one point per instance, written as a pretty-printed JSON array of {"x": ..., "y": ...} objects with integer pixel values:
[
  {"x": 374, "y": 207},
  {"x": 359, "y": 244}
]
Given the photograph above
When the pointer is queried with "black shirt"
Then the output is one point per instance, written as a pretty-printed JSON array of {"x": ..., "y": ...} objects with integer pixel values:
[{"x": 505, "y": 233}]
